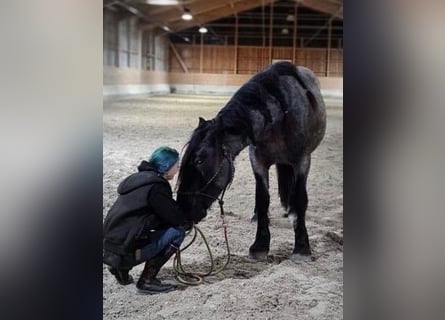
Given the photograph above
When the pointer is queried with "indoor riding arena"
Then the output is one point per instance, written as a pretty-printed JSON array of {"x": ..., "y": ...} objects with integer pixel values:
[{"x": 163, "y": 70}]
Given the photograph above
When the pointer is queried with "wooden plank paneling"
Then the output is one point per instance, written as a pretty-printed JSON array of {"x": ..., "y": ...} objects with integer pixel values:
[
  {"x": 122, "y": 76},
  {"x": 129, "y": 76},
  {"x": 230, "y": 79},
  {"x": 251, "y": 59}
]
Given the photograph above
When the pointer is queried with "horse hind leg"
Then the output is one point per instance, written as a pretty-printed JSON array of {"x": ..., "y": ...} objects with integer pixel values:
[
  {"x": 297, "y": 212},
  {"x": 260, "y": 248},
  {"x": 262, "y": 181},
  {"x": 286, "y": 180}
]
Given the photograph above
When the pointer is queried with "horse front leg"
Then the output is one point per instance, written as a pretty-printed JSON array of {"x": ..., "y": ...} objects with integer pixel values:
[{"x": 260, "y": 248}]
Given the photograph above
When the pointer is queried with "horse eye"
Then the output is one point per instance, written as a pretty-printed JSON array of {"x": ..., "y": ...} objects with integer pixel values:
[{"x": 199, "y": 161}]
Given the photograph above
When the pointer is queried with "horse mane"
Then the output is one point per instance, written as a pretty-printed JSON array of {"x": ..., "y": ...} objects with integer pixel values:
[{"x": 235, "y": 117}]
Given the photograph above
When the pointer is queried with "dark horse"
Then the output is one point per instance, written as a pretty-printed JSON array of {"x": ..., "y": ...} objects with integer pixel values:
[{"x": 280, "y": 114}]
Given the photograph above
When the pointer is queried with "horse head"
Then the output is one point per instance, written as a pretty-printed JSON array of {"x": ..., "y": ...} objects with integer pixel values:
[{"x": 206, "y": 170}]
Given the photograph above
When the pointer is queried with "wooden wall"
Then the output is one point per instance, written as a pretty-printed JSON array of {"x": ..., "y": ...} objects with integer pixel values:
[
  {"x": 126, "y": 81},
  {"x": 250, "y": 59},
  {"x": 236, "y": 80}
]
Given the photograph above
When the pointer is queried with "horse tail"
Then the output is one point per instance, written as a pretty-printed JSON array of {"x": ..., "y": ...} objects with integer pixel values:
[
  {"x": 311, "y": 86},
  {"x": 309, "y": 90},
  {"x": 286, "y": 178}
]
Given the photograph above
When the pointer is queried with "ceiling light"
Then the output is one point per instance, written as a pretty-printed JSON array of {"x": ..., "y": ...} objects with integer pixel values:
[
  {"x": 163, "y": 2},
  {"x": 285, "y": 31},
  {"x": 290, "y": 17},
  {"x": 203, "y": 30},
  {"x": 187, "y": 15}
]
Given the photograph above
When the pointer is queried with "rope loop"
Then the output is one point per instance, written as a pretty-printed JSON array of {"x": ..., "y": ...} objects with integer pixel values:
[{"x": 196, "y": 278}]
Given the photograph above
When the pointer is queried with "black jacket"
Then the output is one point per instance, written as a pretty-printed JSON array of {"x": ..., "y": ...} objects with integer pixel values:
[{"x": 145, "y": 203}]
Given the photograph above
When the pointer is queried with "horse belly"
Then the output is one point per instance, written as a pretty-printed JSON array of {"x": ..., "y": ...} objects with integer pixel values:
[{"x": 281, "y": 147}]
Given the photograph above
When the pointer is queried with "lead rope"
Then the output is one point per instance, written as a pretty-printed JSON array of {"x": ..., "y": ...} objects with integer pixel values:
[
  {"x": 186, "y": 277},
  {"x": 181, "y": 274}
]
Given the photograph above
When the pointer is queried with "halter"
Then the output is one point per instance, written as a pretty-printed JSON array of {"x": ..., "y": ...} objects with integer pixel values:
[{"x": 200, "y": 192}]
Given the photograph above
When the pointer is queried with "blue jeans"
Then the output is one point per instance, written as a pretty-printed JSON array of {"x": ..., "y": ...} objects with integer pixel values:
[{"x": 160, "y": 240}]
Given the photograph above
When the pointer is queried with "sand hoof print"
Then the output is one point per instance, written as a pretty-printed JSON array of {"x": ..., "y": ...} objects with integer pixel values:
[
  {"x": 299, "y": 258},
  {"x": 258, "y": 256}
]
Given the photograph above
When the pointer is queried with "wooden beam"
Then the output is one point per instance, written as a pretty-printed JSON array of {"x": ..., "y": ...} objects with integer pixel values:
[
  {"x": 259, "y": 26},
  {"x": 153, "y": 51},
  {"x": 117, "y": 48},
  {"x": 201, "y": 53},
  {"x": 270, "y": 33},
  {"x": 322, "y": 27},
  {"x": 217, "y": 14},
  {"x": 140, "y": 39},
  {"x": 233, "y": 7},
  {"x": 129, "y": 38},
  {"x": 235, "y": 69},
  {"x": 317, "y": 33},
  {"x": 333, "y": 8},
  {"x": 263, "y": 23},
  {"x": 156, "y": 10},
  {"x": 181, "y": 62},
  {"x": 196, "y": 8},
  {"x": 136, "y": 10},
  {"x": 294, "y": 40},
  {"x": 328, "y": 51}
]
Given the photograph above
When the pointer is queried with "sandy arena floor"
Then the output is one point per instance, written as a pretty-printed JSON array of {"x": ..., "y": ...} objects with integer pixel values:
[{"x": 247, "y": 289}]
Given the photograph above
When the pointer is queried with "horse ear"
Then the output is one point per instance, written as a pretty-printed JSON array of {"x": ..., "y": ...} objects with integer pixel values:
[{"x": 201, "y": 121}]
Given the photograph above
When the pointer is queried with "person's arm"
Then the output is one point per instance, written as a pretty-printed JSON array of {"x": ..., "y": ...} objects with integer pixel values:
[{"x": 165, "y": 207}]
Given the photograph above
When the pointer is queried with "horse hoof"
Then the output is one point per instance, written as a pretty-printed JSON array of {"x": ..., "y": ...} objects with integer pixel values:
[
  {"x": 254, "y": 218},
  {"x": 259, "y": 256},
  {"x": 300, "y": 258}
]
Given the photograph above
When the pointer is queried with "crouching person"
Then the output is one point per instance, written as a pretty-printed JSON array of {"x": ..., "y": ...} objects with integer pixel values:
[{"x": 145, "y": 224}]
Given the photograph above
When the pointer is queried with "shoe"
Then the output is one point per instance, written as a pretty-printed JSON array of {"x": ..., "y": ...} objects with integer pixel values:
[
  {"x": 122, "y": 276},
  {"x": 153, "y": 286},
  {"x": 148, "y": 283}
]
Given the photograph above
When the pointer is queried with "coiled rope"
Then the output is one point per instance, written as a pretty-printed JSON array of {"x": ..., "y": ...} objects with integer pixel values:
[{"x": 195, "y": 278}]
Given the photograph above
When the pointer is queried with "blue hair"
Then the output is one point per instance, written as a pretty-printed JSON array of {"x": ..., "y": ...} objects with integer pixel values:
[{"x": 163, "y": 158}]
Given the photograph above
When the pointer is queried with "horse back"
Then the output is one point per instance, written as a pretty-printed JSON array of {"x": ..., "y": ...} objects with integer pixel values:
[
  {"x": 296, "y": 115},
  {"x": 280, "y": 110}
]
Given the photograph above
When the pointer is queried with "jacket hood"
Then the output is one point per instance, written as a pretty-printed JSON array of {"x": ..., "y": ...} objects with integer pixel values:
[
  {"x": 146, "y": 175},
  {"x": 146, "y": 166}
]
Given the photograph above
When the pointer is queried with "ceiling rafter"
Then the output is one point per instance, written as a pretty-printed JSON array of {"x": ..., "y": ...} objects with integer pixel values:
[
  {"x": 196, "y": 8},
  {"x": 332, "y": 7},
  {"x": 227, "y": 10},
  {"x": 157, "y": 9},
  {"x": 205, "y": 11}
]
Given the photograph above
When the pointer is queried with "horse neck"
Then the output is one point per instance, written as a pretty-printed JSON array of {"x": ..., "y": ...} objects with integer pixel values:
[{"x": 235, "y": 144}]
